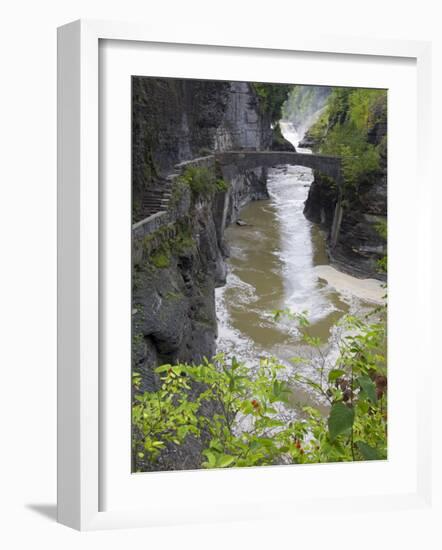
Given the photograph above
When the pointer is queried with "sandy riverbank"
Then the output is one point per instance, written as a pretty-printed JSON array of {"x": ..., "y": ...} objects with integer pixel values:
[{"x": 370, "y": 290}]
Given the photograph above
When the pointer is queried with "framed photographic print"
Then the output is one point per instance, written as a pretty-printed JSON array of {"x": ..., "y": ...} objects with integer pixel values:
[{"x": 232, "y": 219}]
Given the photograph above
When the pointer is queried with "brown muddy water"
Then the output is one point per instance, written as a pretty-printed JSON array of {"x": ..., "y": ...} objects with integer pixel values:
[{"x": 272, "y": 266}]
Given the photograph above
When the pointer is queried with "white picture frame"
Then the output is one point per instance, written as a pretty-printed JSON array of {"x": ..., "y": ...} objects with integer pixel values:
[{"x": 79, "y": 369}]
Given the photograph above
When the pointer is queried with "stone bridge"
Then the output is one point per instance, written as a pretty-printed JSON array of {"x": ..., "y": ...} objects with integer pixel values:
[
  {"x": 246, "y": 160},
  {"x": 156, "y": 203}
]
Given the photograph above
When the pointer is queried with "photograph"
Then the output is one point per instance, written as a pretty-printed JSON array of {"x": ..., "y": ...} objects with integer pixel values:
[{"x": 259, "y": 274}]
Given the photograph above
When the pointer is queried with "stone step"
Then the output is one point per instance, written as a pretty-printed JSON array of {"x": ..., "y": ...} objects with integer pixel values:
[
  {"x": 157, "y": 196},
  {"x": 159, "y": 191},
  {"x": 156, "y": 200}
]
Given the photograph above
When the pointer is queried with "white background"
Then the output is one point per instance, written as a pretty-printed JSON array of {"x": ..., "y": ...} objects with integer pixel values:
[{"x": 28, "y": 291}]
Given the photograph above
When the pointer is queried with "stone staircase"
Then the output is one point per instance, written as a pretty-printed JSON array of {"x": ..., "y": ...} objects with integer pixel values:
[{"x": 155, "y": 200}]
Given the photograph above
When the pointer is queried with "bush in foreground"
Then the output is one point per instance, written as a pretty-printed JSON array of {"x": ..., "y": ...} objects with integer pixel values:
[{"x": 250, "y": 425}]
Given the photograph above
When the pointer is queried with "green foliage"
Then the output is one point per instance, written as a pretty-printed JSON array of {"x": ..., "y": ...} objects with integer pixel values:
[
  {"x": 382, "y": 229},
  {"x": 165, "y": 416},
  {"x": 271, "y": 98},
  {"x": 340, "y": 420},
  {"x": 318, "y": 130},
  {"x": 358, "y": 156},
  {"x": 136, "y": 380},
  {"x": 382, "y": 264},
  {"x": 183, "y": 241},
  {"x": 367, "y": 107},
  {"x": 369, "y": 453},
  {"x": 343, "y": 130},
  {"x": 356, "y": 391},
  {"x": 202, "y": 181},
  {"x": 161, "y": 257},
  {"x": 221, "y": 185},
  {"x": 359, "y": 107},
  {"x": 164, "y": 243},
  {"x": 178, "y": 191},
  {"x": 247, "y": 426}
]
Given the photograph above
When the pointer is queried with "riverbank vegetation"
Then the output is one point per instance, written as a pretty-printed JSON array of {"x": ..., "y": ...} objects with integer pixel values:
[
  {"x": 271, "y": 98},
  {"x": 352, "y": 126},
  {"x": 242, "y": 416},
  {"x": 202, "y": 181}
]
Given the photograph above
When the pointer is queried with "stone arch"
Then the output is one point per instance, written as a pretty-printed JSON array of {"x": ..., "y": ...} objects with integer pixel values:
[{"x": 247, "y": 160}]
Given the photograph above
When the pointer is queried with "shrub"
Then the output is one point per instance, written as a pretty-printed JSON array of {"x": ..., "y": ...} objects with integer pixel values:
[
  {"x": 248, "y": 427},
  {"x": 202, "y": 181},
  {"x": 161, "y": 257}
]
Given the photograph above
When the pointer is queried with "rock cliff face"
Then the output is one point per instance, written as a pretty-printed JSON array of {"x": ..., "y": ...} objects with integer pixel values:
[
  {"x": 177, "y": 268},
  {"x": 361, "y": 242},
  {"x": 174, "y": 282},
  {"x": 243, "y": 124},
  {"x": 176, "y": 120}
]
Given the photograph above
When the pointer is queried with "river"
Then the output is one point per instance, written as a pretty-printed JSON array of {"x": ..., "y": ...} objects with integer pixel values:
[{"x": 275, "y": 263}]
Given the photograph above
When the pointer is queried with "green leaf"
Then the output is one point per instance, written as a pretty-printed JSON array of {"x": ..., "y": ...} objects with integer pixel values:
[
  {"x": 216, "y": 445},
  {"x": 280, "y": 391},
  {"x": 163, "y": 368},
  {"x": 211, "y": 458},
  {"x": 224, "y": 460},
  {"x": 246, "y": 407},
  {"x": 369, "y": 453},
  {"x": 368, "y": 387},
  {"x": 335, "y": 374},
  {"x": 340, "y": 420}
]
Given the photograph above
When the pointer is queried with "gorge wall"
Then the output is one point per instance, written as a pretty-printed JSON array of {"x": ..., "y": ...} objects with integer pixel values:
[
  {"x": 176, "y": 120},
  {"x": 360, "y": 245},
  {"x": 177, "y": 267}
]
